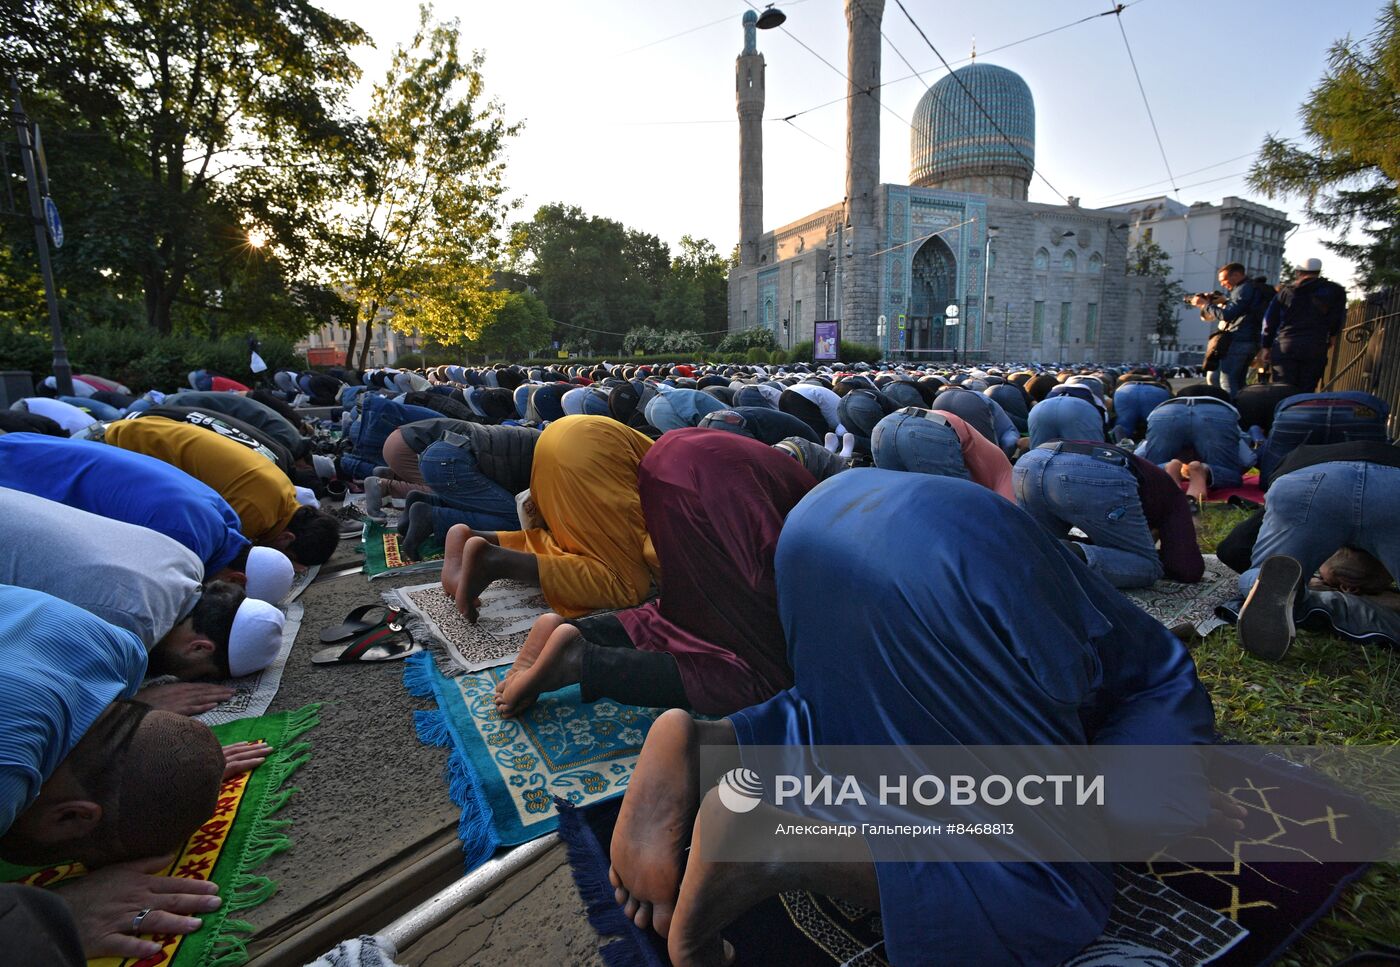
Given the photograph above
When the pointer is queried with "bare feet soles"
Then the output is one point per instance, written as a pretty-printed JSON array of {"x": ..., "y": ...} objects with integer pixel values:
[
  {"x": 556, "y": 665},
  {"x": 473, "y": 579},
  {"x": 453, "y": 547},
  {"x": 654, "y": 824},
  {"x": 714, "y": 894},
  {"x": 534, "y": 642}
]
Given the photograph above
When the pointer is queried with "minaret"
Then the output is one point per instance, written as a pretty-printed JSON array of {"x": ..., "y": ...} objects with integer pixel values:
[
  {"x": 859, "y": 289},
  {"x": 749, "y": 97}
]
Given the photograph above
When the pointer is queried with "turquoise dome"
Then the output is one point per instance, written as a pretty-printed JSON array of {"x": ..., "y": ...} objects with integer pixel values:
[{"x": 951, "y": 139}]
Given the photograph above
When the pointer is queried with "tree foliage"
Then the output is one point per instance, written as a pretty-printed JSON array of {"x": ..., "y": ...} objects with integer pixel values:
[
  {"x": 519, "y": 328},
  {"x": 1150, "y": 260},
  {"x": 603, "y": 280},
  {"x": 170, "y": 130},
  {"x": 741, "y": 340},
  {"x": 425, "y": 199},
  {"x": 1347, "y": 168}
]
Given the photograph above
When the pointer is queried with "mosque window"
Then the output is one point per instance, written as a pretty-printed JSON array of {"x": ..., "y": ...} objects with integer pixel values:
[
  {"x": 991, "y": 259},
  {"x": 1066, "y": 308},
  {"x": 1042, "y": 260},
  {"x": 1091, "y": 324},
  {"x": 1096, "y": 262},
  {"x": 1069, "y": 263},
  {"x": 1038, "y": 324}
]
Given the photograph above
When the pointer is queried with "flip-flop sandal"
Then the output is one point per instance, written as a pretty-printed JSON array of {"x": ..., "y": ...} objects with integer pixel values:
[
  {"x": 355, "y": 623},
  {"x": 382, "y": 643},
  {"x": 1194, "y": 504}
]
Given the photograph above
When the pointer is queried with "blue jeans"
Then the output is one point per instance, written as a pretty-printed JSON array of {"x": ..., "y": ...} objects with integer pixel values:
[
  {"x": 1065, "y": 418},
  {"x": 1234, "y": 367},
  {"x": 462, "y": 494},
  {"x": 908, "y": 440},
  {"x": 1209, "y": 427},
  {"x": 1099, "y": 495},
  {"x": 1132, "y": 402},
  {"x": 1313, "y": 512},
  {"x": 99, "y": 410},
  {"x": 1315, "y": 418}
]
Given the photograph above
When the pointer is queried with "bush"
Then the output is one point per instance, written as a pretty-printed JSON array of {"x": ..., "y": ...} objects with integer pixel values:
[
  {"x": 142, "y": 360},
  {"x": 778, "y": 357},
  {"x": 847, "y": 352},
  {"x": 756, "y": 354},
  {"x": 755, "y": 337},
  {"x": 661, "y": 341}
]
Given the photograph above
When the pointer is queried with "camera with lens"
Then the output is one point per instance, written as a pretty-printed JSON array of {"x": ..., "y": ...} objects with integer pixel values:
[{"x": 1216, "y": 298}]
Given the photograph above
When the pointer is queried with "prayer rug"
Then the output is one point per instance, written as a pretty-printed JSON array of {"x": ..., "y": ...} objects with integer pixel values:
[
  {"x": 299, "y": 584},
  {"x": 508, "y": 609},
  {"x": 506, "y": 774},
  {"x": 1230, "y": 914},
  {"x": 254, "y": 693},
  {"x": 1248, "y": 489},
  {"x": 382, "y": 555},
  {"x": 239, "y": 837},
  {"x": 1173, "y": 603}
]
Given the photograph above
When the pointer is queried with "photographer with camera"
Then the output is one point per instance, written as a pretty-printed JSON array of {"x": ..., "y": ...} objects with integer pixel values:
[{"x": 1238, "y": 321}]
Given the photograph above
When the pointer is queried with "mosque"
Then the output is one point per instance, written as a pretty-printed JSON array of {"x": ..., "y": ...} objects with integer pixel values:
[{"x": 956, "y": 264}]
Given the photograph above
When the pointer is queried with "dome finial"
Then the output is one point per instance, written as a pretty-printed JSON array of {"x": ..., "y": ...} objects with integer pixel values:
[{"x": 974, "y": 48}]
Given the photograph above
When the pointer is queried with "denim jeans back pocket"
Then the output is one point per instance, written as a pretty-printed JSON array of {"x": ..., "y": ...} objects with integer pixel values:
[{"x": 1291, "y": 495}]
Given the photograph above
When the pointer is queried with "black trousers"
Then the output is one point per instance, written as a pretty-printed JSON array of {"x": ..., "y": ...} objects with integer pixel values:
[
  {"x": 1304, "y": 372},
  {"x": 614, "y": 668}
]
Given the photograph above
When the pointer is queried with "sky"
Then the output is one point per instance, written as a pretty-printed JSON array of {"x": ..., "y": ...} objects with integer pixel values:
[{"x": 628, "y": 106}]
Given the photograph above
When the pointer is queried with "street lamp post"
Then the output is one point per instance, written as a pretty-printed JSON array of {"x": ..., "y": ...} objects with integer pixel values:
[
  {"x": 62, "y": 371},
  {"x": 992, "y": 232}
]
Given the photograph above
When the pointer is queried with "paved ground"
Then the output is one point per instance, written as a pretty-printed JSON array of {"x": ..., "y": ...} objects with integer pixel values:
[{"x": 372, "y": 795}]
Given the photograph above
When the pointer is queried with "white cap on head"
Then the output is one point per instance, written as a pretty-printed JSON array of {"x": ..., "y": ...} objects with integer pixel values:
[
  {"x": 270, "y": 574},
  {"x": 306, "y": 497},
  {"x": 1311, "y": 265},
  {"x": 255, "y": 638},
  {"x": 325, "y": 466}
]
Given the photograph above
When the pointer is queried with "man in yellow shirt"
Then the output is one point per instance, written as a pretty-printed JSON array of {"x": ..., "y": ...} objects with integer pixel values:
[{"x": 262, "y": 496}]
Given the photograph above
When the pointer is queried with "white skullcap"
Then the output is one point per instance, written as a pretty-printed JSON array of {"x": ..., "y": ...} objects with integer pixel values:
[
  {"x": 270, "y": 574},
  {"x": 1312, "y": 265},
  {"x": 325, "y": 466},
  {"x": 255, "y": 639},
  {"x": 307, "y": 498}
]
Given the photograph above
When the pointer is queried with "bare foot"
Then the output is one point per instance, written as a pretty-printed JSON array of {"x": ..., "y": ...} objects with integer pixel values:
[
  {"x": 653, "y": 826},
  {"x": 474, "y": 578},
  {"x": 420, "y": 527},
  {"x": 714, "y": 894},
  {"x": 539, "y": 633},
  {"x": 453, "y": 548},
  {"x": 558, "y": 665}
]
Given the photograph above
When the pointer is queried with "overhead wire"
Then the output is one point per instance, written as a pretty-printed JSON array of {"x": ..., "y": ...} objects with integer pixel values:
[{"x": 1118, "y": 16}]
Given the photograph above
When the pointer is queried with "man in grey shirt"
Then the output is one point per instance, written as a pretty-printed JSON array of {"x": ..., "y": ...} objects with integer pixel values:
[{"x": 140, "y": 580}]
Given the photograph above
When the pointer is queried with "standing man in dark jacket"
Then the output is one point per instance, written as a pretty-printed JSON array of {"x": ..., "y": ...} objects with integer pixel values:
[
  {"x": 1241, "y": 317},
  {"x": 1300, "y": 326}
]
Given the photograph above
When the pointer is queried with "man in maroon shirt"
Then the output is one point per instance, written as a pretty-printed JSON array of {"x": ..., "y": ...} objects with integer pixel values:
[{"x": 1124, "y": 503}]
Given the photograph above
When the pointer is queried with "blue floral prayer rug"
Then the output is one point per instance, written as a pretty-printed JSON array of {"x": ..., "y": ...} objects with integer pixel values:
[{"x": 506, "y": 773}]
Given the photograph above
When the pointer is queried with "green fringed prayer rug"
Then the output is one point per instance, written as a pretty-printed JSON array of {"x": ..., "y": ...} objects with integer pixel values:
[
  {"x": 239, "y": 837},
  {"x": 382, "y": 554}
]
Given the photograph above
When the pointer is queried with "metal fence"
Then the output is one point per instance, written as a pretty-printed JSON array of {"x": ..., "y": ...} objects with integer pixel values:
[{"x": 1367, "y": 357}]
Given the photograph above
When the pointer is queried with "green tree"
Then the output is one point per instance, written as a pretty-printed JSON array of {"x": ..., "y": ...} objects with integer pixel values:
[
  {"x": 519, "y": 328},
  {"x": 1150, "y": 260},
  {"x": 425, "y": 208},
  {"x": 695, "y": 295},
  {"x": 599, "y": 278},
  {"x": 1347, "y": 168},
  {"x": 173, "y": 128}
]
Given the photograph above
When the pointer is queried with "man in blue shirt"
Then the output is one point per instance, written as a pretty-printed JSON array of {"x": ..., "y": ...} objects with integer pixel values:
[
  {"x": 136, "y": 489},
  {"x": 89, "y": 777},
  {"x": 1242, "y": 317}
]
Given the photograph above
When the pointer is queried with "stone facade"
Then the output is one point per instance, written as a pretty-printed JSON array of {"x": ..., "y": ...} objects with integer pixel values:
[
  {"x": 749, "y": 96},
  {"x": 860, "y": 285}
]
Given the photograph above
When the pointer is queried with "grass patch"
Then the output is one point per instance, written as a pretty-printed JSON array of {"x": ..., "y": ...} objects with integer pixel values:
[{"x": 1327, "y": 691}]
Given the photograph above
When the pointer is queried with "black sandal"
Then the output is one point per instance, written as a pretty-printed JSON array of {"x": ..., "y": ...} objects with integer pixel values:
[{"x": 355, "y": 623}]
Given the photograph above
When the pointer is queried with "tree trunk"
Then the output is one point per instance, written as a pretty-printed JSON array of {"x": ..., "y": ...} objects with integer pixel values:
[
  {"x": 372, "y": 315},
  {"x": 354, "y": 336}
]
